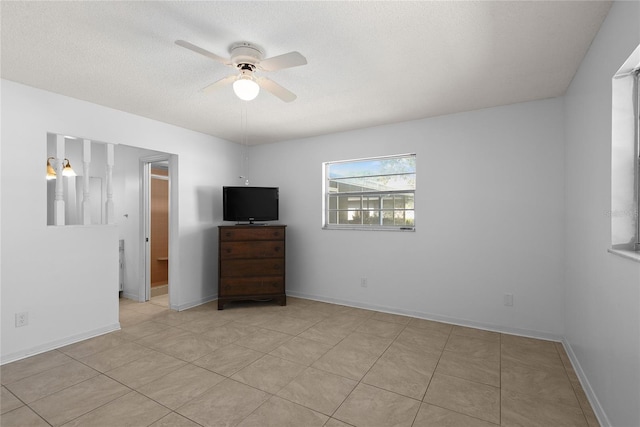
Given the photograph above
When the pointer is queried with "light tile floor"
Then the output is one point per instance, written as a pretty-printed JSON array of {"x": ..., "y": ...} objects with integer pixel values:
[{"x": 306, "y": 364}]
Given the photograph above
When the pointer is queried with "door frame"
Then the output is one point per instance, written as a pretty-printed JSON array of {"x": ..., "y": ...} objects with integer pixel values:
[{"x": 144, "y": 291}]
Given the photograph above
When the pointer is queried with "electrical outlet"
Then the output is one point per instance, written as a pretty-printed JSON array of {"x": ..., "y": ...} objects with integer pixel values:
[
  {"x": 22, "y": 319},
  {"x": 363, "y": 282},
  {"x": 508, "y": 300}
]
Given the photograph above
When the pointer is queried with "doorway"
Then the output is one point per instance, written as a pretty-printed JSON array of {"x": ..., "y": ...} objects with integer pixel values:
[
  {"x": 159, "y": 207},
  {"x": 159, "y": 232}
]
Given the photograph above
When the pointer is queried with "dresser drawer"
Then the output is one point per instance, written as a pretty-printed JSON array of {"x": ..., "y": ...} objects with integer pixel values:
[
  {"x": 251, "y": 233},
  {"x": 242, "y": 286},
  {"x": 259, "y": 249},
  {"x": 252, "y": 267}
]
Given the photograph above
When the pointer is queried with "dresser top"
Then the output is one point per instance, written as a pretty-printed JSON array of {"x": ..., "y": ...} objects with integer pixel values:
[{"x": 257, "y": 226}]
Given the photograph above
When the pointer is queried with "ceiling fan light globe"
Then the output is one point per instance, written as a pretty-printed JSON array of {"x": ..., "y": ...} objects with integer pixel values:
[{"x": 246, "y": 89}]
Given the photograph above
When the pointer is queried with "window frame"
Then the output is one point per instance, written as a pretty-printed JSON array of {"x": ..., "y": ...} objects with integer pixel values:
[
  {"x": 624, "y": 214},
  {"x": 379, "y": 207},
  {"x": 636, "y": 112}
]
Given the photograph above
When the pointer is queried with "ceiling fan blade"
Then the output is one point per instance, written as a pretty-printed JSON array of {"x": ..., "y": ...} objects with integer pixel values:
[
  {"x": 277, "y": 90},
  {"x": 220, "y": 83},
  {"x": 287, "y": 60},
  {"x": 202, "y": 51}
]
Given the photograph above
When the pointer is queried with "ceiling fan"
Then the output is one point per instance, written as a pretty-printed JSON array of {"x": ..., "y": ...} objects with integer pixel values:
[{"x": 247, "y": 58}]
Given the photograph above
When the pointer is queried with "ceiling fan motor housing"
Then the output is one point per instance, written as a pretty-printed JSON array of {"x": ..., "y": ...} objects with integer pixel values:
[{"x": 245, "y": 53}]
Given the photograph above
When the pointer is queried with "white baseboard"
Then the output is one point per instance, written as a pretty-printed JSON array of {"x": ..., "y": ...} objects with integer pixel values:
[
  {"x": 128, "y": 295},
  {"x": 428, "y": 316},
  {"x": 52, "y": 345},
  {"x": 186, "y": 306},
  {"x": 586, "y": 386}
]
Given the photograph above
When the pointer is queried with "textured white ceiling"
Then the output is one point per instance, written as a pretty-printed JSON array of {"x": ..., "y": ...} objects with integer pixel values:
[{"x": 369, "y": 63}]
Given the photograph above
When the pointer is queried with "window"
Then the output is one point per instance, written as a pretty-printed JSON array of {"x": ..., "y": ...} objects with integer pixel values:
[
  {"x": 374, "y": 193},
  {"x": 625, "y": 156}
]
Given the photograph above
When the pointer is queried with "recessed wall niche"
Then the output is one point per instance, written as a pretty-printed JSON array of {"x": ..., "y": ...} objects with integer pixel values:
[{"x": 66, "y": 194}]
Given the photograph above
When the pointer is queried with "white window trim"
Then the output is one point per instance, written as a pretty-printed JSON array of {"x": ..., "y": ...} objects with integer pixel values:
[{"x": 327, "y": 226}]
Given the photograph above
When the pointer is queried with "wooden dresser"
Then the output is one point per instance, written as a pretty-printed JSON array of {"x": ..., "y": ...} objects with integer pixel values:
[{"x": 251, "y": 263}]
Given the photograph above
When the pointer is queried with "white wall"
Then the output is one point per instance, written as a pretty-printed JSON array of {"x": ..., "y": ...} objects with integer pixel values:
[
  {"x": 489, "y": 219},
  {"x": 602, "y": 314},
  {"x": 66, "y": 278}
]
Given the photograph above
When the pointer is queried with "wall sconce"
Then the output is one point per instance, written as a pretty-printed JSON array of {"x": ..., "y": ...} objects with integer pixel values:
[
  {"x": 67, "y": 170},
  {"x": 51, "y": 174}
]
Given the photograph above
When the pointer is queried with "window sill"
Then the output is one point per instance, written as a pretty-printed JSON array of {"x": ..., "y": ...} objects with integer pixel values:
[
  {"x": 346, "y": 227},
  {"x": 625, "y": 253}
]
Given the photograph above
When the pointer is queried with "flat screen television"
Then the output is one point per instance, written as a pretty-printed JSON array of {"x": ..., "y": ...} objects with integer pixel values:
[{"x": 250, "y": 204}]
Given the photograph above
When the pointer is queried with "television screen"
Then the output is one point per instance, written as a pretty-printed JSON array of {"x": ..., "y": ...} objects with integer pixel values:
[{"x": 250, "y": 204}]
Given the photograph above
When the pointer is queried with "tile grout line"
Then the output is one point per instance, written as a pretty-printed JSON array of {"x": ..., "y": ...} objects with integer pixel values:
[
  {"x": 422, "y": 401},
  {"x": 465, "y": 379},
  {"x": 271, "y": 395},
  {"x": 365, "y": 374},
  {"x": 24, "y": 404},
  {"x": 500, "y": 383},
  {"x": 573, "y": 387}
]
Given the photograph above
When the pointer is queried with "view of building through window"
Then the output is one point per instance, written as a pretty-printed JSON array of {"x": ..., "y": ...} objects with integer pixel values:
[{"x": 371, "y": 193}]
